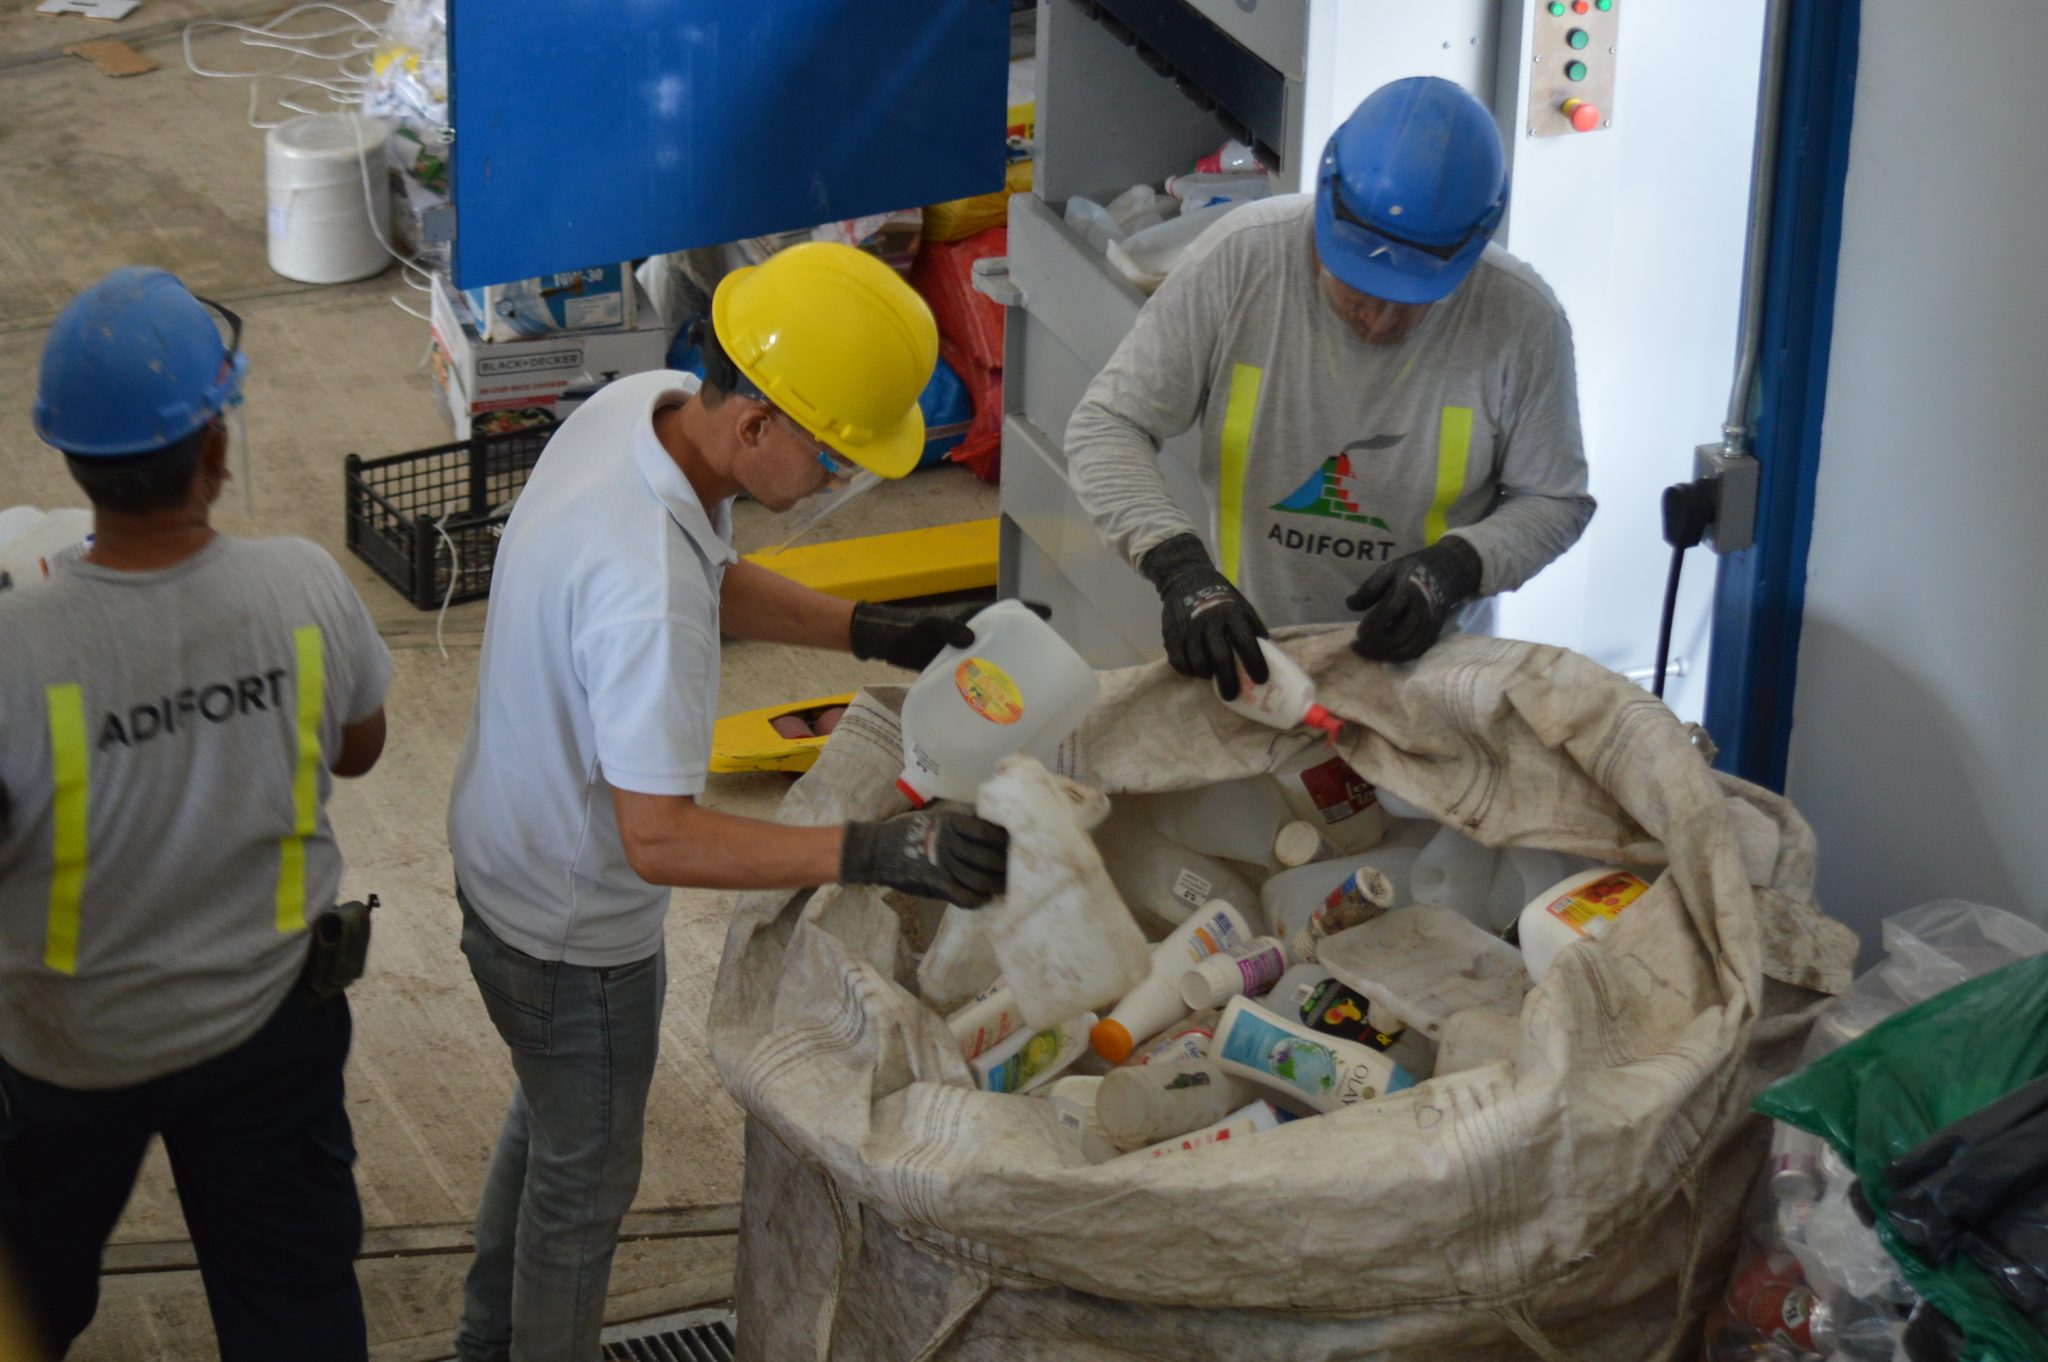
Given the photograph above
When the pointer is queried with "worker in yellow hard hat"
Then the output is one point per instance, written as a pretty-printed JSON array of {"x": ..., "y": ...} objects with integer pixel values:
[{"x": 575, "y": 803}]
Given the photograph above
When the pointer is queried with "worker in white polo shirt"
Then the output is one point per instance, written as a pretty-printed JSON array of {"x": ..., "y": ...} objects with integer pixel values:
[{"x": 574, "y": 807}]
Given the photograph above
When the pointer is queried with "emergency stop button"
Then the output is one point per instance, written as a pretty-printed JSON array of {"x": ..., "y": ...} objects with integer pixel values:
[{"x": 1584, "y": 116}]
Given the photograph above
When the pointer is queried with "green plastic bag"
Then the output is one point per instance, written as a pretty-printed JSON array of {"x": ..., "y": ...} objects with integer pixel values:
[{"x": 1891, "y": 1088}]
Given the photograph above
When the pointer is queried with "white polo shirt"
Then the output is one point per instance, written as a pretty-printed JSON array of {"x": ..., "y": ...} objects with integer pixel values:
[{"x": 599, "y": 672}]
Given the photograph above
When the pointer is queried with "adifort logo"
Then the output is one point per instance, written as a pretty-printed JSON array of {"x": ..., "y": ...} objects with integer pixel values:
[{"x": 1336, "y": 491}]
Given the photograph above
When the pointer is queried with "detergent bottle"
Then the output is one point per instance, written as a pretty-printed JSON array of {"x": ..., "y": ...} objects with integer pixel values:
[
  {"x": 1286, "y": 699},
  {"x": 1018, "y": 688}
]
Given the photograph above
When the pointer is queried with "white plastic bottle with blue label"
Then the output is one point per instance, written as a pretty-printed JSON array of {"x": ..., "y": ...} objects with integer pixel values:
[
  {"x": 1018, "y": 688},
  {"x": 1299, "y": 1066}
]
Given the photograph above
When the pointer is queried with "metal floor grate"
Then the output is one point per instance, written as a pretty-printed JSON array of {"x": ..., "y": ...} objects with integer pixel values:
[{"x": 701, "y": 1343}]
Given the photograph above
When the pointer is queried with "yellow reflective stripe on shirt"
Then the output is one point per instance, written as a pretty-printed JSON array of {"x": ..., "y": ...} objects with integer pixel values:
[
  {"x": 291, "y": 861},
  {"x": 1453, "y": 447},
  {"x": 72, "y": 788},
  {"x": 1236, "y": 449}
]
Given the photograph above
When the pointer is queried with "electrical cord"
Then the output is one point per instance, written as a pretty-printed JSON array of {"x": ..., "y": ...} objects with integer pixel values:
[
  {"x": 1665, "y": 622},
  {"x": 1689, "y": 508},
  {"x": 344, "y": 88}
]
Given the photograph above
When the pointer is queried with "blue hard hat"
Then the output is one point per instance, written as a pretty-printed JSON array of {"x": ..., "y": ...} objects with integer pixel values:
[
  {"x": 134, "y": 364},
  {"x": 1410, "y": 190}
]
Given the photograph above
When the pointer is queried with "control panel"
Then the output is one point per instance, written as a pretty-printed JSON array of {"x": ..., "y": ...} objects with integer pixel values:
[{"x": 1571, "y": 80}]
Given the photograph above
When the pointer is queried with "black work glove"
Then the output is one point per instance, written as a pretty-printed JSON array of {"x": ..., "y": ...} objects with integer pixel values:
[
  {"x": 1407, "y": 601},
  {"x": 1211, "y": 629},
  {"x": 912, "y": 638},
  {"x": 932, "y": 853}
]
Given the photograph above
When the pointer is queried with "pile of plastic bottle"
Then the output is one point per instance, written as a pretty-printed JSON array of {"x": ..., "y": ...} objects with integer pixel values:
[{"x": 1237, "y": 955}]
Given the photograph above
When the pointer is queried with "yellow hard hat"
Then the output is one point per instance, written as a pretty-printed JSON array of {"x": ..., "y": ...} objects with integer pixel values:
[{"x": 836, "y": 340}]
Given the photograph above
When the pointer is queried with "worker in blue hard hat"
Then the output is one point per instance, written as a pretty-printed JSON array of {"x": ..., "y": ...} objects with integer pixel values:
[
  {"x": 1388, "y": 412},
  {"x": 176, "y": 703}
]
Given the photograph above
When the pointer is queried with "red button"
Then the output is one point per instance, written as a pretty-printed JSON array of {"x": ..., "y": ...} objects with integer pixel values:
[
  {"x": 1585, "y": 117},
  {"x": 1581, "y": 6}
]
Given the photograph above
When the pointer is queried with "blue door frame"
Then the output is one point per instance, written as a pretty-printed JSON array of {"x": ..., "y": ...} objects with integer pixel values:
[{"x": 1760, "y": 593}]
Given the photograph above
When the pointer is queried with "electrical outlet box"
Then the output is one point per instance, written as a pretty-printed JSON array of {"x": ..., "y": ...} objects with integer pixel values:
[{"x": 1735, "y": 478}]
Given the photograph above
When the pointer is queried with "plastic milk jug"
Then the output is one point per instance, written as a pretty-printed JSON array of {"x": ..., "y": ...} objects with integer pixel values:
[
  {"x": 1325, "y": 791},
  {"x": 1019, "y": 688},
  {"x": 1163, "y": 882},
  {"x": 1239, "y": 820},
  {"x": 1580, "y": 908}
]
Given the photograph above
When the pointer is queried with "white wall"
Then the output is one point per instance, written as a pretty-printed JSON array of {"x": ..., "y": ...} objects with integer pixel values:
[
  {"x": 1920, "y": 738},
  {"x": 1640, "y": 230}
]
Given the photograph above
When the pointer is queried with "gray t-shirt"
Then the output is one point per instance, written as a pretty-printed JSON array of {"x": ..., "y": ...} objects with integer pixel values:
[
  {"x": 166, "y": 759},
  {"x": 1323, "y": 456}
]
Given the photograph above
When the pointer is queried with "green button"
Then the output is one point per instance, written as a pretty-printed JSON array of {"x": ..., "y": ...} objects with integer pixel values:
[
  {"x": 1575, "y": 70},
  {"x": 1578, "y": 39},
  {"x": 1603, "y": 5},
  {"x": 1557, "y": 8}
]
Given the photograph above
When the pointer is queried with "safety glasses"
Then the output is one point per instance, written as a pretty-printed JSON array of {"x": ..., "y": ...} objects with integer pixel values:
[
  {"x": 837, "y": 466},
  {"x": 234, "y": 338},
  {"x": 1416, "y": 258}
]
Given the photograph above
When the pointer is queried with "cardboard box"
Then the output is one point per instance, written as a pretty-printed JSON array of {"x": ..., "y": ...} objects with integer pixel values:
[
  {"x": 509, "y": 384},
  {"x": 599, "y": 299}
]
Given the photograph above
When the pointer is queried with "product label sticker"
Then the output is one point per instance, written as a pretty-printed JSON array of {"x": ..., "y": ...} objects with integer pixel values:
[
  {"x": 1192, "y": 889},
  {"x": 1604, "y": 897},
  {"x": 1338, "y": 791},
  {"x": 1260, "y": 970},
  {"x": 1293, "y": 1060},
  {"x": 989, "y": 691}
]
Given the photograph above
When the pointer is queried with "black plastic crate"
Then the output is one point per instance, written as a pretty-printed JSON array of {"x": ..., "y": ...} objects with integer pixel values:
[{"x": 434, "y": 516}]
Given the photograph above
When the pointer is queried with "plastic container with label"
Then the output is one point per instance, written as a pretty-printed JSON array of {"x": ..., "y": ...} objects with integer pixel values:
[
  {"x": 1188, "y": 1038},
  {"x": 1299, "y": 1066},
  {"x": 1522, "y": 874},
  {"x": 1418, "y": 965},
  {"x": 1292, "y": 897},
  {"x": 1324, "y": 790},
  {"x": 986, "y": 1020},
  {"x": 1159, "y": 879},
  {"x": 1018, "y": 688},
  {"x": 1137, "y": 1106},
  {"x": 1074, "y": 1101},
  {"x": 1031, "y": 1058},
  {"x": 1578, "y": 908},
  {"x": 1251, "y": 968},
  {"x": 1360, "y": 897},
  {"x": 1255, "y": 1119},
  {"x": 1154, "y": 1003}
]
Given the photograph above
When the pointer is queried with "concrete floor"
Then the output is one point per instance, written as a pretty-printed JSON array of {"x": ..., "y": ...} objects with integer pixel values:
[{"x": 163, "y": 169}]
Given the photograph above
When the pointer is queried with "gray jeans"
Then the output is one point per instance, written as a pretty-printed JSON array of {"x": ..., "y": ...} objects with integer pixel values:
[{"x": 583, "y": 1043}]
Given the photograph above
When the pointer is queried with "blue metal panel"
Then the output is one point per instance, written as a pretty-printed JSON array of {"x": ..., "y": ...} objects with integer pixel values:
[
  {"x": 589, "y": 131},
  {"x": 1761, "y": 591}
]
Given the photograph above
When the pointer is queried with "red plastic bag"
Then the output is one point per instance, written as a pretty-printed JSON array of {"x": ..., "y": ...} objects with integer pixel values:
[{"x": 944, "y": 274}]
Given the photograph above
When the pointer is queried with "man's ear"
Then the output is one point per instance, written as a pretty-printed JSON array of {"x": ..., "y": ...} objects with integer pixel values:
[
  {"x": 750, "y": 422},
  {"x": 213, "y": 461}
]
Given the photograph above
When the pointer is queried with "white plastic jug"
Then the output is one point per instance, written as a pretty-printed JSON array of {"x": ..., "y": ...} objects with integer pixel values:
[
  {"x": 1455, "y": 872},
  {"x": 1019, "y": 688},
  {"x": 1238, "y": 820},
  {"x": 1522, "y": 874},
  {"x": 1162, "y": 882},
  {"x": 1325, "y": 792}
]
